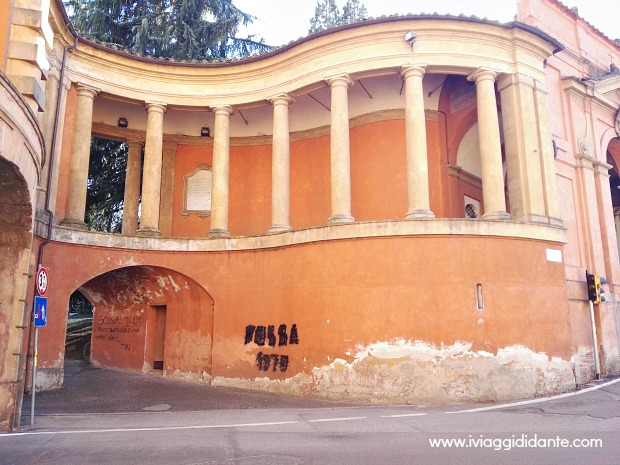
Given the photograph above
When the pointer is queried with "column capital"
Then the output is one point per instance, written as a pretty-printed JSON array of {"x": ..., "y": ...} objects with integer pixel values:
[
  {"x": 482, "y": 74},
  {"x": 281, "y": 99},
  {"x": 134, "y": 143},
  {"x": 226, "y": 110},
  {"x": 412, "y": 70},
  {"x": 156, "y": 107},
  {"x": 85, "y": 90},
  {"x": 339, "y": 80}
]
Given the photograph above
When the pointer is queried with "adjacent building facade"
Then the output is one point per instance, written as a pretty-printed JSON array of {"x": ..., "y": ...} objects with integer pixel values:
[{"x": 401, "y": 209}]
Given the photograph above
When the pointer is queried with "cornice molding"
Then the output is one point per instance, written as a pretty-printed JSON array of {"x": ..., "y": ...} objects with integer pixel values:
[{"x": 126, "y": 134}]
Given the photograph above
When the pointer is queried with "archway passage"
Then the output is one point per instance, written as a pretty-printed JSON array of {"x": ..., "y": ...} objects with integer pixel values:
[
  {"x": 150, "y": 318},
  {"x": 15, "y": 241},
  {"x": 79, "y": 327}
]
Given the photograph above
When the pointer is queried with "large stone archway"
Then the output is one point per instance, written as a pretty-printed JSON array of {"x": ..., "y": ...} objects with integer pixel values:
[
  {"x": 15, "y": 240},
  {"x": 21, "y": 149}
]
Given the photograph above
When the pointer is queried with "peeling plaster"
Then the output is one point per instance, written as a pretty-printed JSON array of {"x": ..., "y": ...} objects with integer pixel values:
[{"x": 417, "y": 372}]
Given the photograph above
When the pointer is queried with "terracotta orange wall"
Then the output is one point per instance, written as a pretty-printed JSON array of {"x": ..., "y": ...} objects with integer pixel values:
[
  {"x": 378, "y": 180},
  {"x": 188, "y": 158},
  {"x": 379, "y": 171},
  {"x": 310, "y": 182},
  {"x": 344, "y": 293},
  {"x": 250, "y": 189}
]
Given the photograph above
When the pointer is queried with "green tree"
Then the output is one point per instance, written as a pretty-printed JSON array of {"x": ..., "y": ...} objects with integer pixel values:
[
  {"x": 106, "y": 185},
  {"x": 353, "y": 11},
  {"x": 179, "y": 29},
  {"x": 327, "y": 14}
]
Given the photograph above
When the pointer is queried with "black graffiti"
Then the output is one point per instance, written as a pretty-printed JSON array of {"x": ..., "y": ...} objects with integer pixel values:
[
  {"x": 267, "y": 334},
  {"x": 123, "y": 345},
  {"x": 117, "y": 330},
  {"x": 249, "y": 333},
  {"x": 265, "y": 361},
  {"x": 119, "y": 320}
]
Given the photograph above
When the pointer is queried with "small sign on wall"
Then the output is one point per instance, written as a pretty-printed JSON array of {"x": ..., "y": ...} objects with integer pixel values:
[{"x": 554, "y": 255}]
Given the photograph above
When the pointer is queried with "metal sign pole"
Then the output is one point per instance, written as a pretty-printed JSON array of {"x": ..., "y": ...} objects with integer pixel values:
[
  {"x": 34, "y": 375},
  {"x": 597, "y": 361}
]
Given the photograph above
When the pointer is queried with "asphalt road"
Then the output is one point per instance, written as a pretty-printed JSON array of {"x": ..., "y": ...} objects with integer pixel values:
[{"x": 141, "y": 419}]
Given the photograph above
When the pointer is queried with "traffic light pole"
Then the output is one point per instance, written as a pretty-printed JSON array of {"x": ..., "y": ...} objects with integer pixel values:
[{"x": 597, "y": 360}]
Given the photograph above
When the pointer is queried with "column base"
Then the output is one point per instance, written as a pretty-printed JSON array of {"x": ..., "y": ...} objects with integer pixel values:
[
  {"x": 74, "y": 224},
  {"x": 278, "y": 228},
  {"x": 419, "y": 214},
  {"x": 499, "y": 215},
  {"x": 148, "y": 232},
  {"x": 340, "y": 219},
  {"x": 218, "y": 234}
]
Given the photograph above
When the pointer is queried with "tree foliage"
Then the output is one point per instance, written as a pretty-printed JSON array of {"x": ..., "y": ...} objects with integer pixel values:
[
  {"x": 328, "y": 15},
  {"x": 179, "y": 29},
  {"x": 106, "y": 185}
]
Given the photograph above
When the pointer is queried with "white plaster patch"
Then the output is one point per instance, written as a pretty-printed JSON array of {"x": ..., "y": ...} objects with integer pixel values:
[
  {"x": 420, "y": 372},
  {"x": 177, "y": 288}
]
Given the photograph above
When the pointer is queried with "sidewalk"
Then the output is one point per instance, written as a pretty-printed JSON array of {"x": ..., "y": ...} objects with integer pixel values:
[{"x": 97, "y": 390}]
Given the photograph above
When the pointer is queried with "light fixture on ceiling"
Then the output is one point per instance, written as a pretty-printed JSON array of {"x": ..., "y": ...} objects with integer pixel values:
[{"x": 205, "y": 131}]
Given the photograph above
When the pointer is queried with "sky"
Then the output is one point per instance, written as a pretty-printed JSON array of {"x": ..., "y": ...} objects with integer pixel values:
[{"x": 281, "y": 21}]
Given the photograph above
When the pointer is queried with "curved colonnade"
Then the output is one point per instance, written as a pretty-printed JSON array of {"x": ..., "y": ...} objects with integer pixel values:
[{"x": 367, "y": 302}]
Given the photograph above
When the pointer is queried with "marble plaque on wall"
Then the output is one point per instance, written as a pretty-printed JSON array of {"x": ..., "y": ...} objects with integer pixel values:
[{"x": 197, "y": 197}]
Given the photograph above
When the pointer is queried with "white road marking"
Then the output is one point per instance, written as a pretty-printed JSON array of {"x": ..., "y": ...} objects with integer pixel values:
[
  {"x": 164, "y": 428},
  {"x": 276, "y": 423},
  {"x": 536, "y": 401},
  {"x": 336, "y": 419}
]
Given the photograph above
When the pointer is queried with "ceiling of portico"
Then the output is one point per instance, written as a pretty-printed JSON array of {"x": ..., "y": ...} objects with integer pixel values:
[{"x": 311, "y": 107}]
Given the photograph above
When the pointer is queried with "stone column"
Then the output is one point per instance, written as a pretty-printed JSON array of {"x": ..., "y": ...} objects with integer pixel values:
[
  {"x": 415, "y": 133},
  {"x": 523, "y": 151},
  {"x": 280, "y": 165},
  {"x": 490, "y": 146},
  {"x": 340, "y": 150},
  {"x": 151, "y": 173},
  {"x": 80, "y": 156},
  {"x": 221, "y": 172},
  {"x": 132, "y": 187}
]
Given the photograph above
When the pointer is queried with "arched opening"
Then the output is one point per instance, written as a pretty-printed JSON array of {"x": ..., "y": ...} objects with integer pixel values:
[
  {"x": 79, "y": 327},
  {"x": 151, "y": 319},
  {"x": 15, "y": 242}
]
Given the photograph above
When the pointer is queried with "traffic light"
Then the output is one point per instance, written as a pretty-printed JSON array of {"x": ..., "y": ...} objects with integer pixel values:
[
  {"x": 594, "y": 287},
  {"x": 591, "y": 283},
  {"x": 599, "y": 290}
]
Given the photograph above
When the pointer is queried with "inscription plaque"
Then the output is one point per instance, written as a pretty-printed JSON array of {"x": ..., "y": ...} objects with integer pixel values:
[{"x": 197, "y": 197}]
